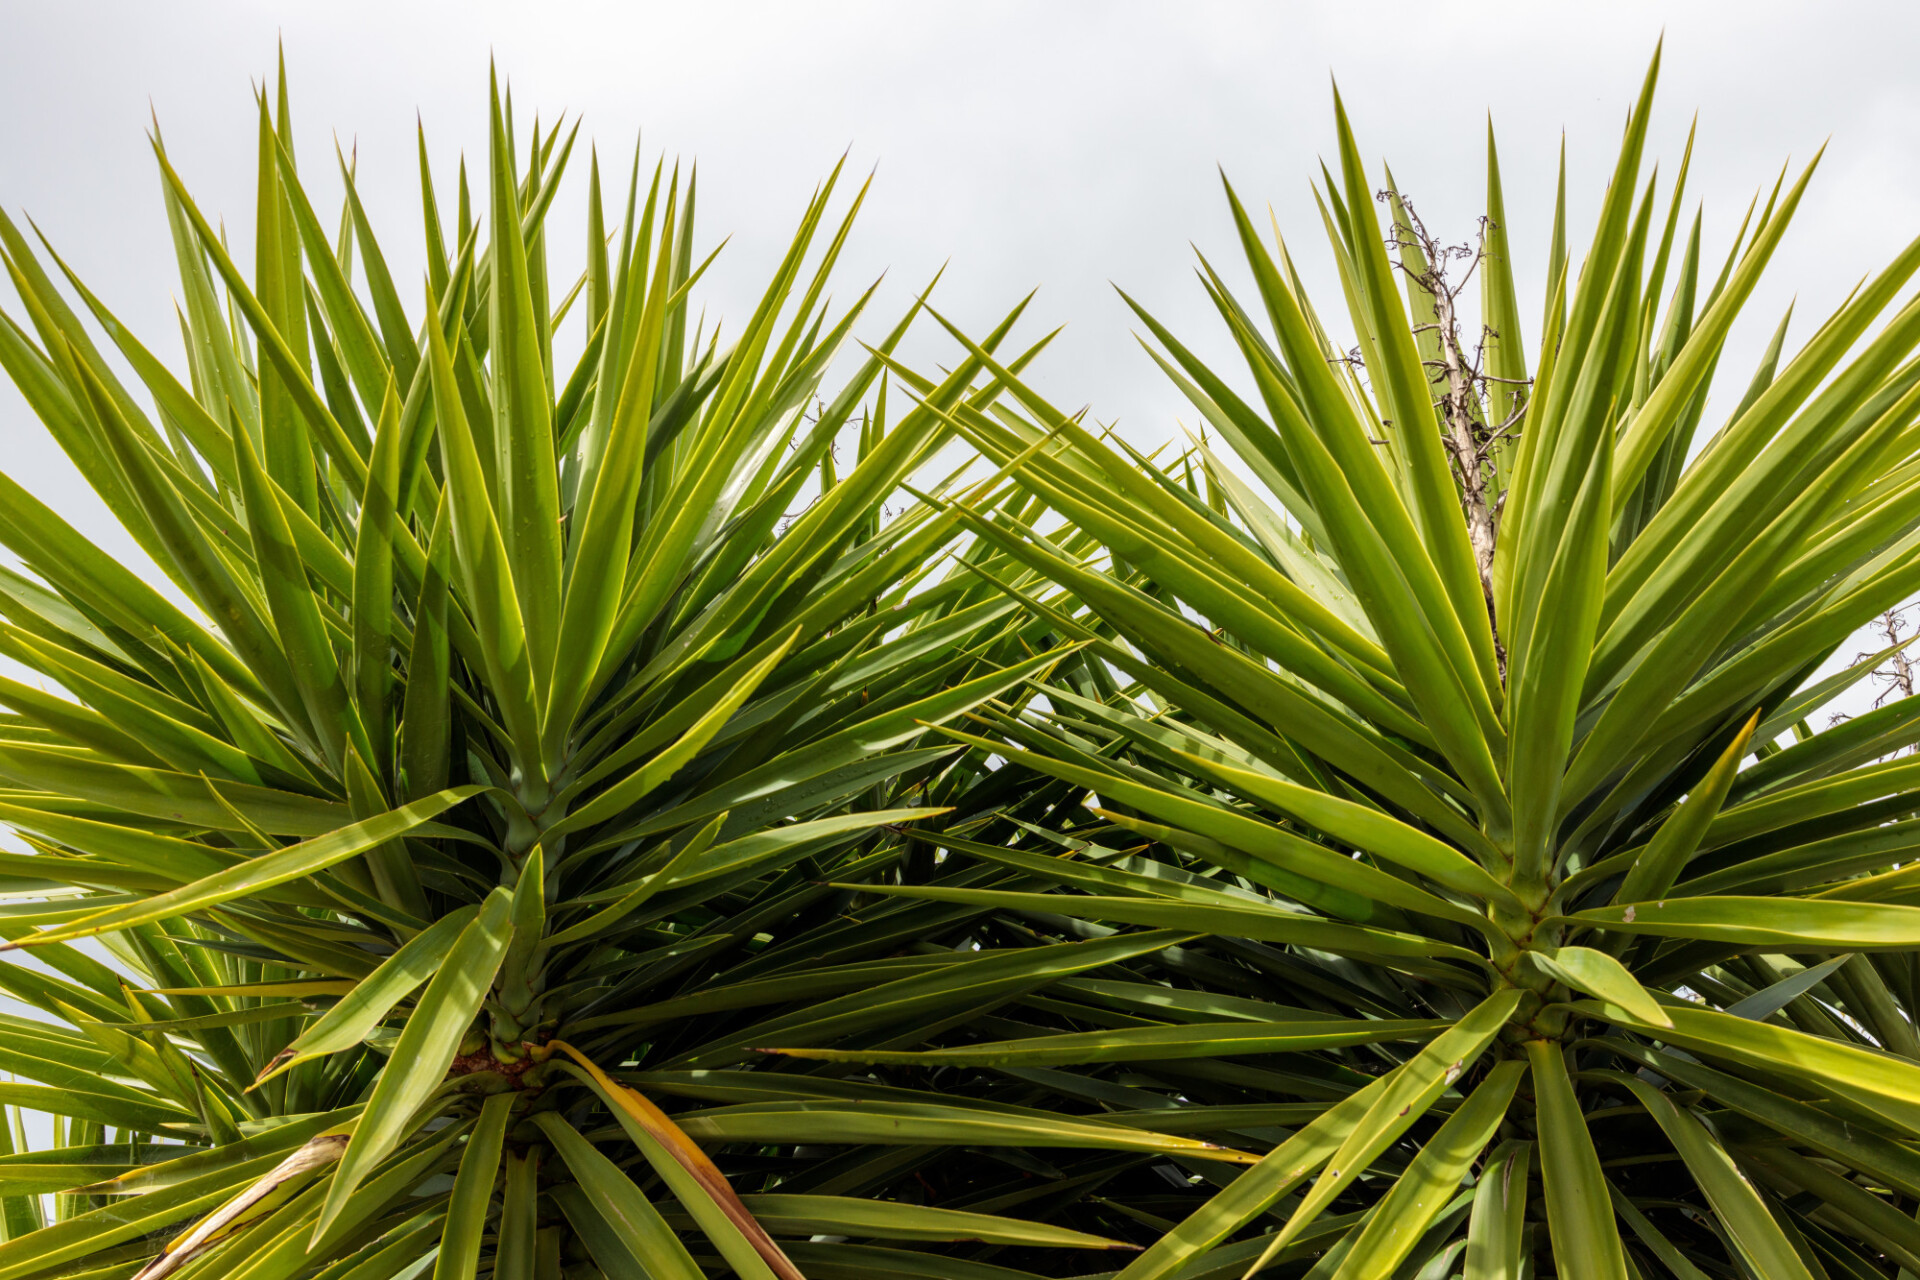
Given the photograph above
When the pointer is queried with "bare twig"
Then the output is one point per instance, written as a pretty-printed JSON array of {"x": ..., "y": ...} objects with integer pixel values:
[
  {"x": 1897, "y": 674},
  {"x": 1462, "y": 381}
]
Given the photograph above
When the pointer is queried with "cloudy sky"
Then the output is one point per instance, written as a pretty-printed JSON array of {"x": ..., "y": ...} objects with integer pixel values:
[{"x": 1059, "y": 145}]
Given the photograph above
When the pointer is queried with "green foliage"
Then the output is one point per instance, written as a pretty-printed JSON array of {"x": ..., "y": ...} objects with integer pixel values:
[
  {"x": 521, "y": 718},
  {"x": 582, "y": 826},
  {"x": 1424, "y": 783}
]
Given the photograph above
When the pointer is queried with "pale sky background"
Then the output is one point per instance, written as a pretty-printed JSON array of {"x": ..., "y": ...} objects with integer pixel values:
[
  {"x": 1059, "y": 145},
  {"x": 1056, "y": 145}
]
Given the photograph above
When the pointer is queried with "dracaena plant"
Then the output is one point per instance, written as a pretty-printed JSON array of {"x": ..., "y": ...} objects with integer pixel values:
[
  {"x": 1474, "y": 703},
  {"x": 487, "y": 782}
]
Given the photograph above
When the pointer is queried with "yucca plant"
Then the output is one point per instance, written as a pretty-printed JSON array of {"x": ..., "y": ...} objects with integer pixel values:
[
  {"x": 486, "y": 789},
  {"x": 1472, "y": 707}
]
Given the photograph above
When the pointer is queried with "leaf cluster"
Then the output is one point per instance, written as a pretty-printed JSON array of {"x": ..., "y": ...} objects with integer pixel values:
[{"x": 572, "y": 822}]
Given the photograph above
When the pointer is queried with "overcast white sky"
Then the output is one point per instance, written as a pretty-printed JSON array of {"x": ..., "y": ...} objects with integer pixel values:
[
  {"x": 1057, "y": 145},
  {"x": 1061, "y": 145}
]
